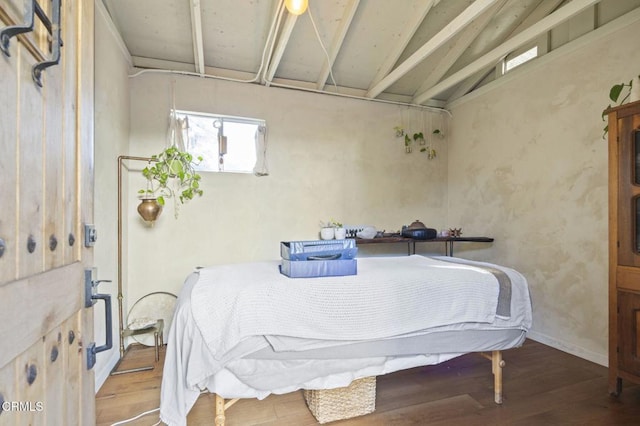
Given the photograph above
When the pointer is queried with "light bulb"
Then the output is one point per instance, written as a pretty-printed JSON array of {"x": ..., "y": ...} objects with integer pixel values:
[{"x": 296, "y": 7}]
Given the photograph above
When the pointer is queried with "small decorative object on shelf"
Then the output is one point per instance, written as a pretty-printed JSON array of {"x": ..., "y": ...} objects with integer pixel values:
[
  {"x": 332, "y": 229},
  {"x": 455, "y": 232}
]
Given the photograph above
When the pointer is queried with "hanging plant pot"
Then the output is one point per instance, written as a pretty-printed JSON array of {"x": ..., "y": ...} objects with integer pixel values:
[
  {"x": 174, "y": 174},
  {"x": 149, "y": 209}
]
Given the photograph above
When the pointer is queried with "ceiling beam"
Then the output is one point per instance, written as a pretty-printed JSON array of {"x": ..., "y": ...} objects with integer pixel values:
[
  {"x": 281, "y": 45},
  {"x": 542, "y": 26},
  {"x": 338, "y": 39},
  {"x": 410, "y": 30},
  {"x": 196, "y": 35},
  {"x": 451, "y": 29},
  {"x": 459, "y": 46},
  {"x": 542, "y": 10}
]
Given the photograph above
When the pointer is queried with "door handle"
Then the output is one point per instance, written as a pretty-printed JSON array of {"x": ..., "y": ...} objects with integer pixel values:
[
  {"x": 108, "y": 322},
  {"x": 91, "y": 298}
]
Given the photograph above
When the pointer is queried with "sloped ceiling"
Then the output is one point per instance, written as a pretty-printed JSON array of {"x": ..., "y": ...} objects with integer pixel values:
[{"x": 420, "y": 52}]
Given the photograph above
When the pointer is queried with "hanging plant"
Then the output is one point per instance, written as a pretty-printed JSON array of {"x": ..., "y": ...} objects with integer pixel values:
[
  {"x": 174, "y": 174},
  {"x": 419, "y": 138}
]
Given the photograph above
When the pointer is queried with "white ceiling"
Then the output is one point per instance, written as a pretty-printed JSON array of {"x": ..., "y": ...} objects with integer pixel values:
[{"x": 426, "y": 52}]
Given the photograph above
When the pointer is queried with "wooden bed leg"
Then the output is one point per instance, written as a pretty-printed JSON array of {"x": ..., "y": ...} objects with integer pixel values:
[
  {"x": 220, "y": 418},
  {"x": 497, "y": 364}
]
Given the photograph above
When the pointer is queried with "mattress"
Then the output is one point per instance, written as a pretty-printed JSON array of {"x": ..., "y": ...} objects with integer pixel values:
[{"x": 255, "y": 369}]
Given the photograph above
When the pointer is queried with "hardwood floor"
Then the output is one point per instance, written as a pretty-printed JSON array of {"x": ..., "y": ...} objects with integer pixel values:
[{"x": 542, "y": 386}]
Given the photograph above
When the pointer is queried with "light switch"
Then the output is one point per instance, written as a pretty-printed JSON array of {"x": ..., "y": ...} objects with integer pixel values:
[{"x": 90, "y": 235}]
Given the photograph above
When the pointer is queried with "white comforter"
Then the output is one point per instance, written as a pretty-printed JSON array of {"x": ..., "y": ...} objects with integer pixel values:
[
  {"x": 388, "y": 297},
  {"x": 227, "y": 312}
]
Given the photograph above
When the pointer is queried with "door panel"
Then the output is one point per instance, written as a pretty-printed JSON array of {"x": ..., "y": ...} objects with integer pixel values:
[
  {"x": 70, "y": 98},
  {"x": 628, "y": 192},
  {"x": 629, "y": 332},
  {"x": 46, "y": 138},
  {"x": 30, "y": 155},
  {"x": 53, "y": 159},
  {"x": 30, "y": 385},
  {"x": 8, "y": 166}
]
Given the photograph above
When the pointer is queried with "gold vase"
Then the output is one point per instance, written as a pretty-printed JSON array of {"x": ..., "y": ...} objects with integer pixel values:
[{"x": 149, "y": 209}]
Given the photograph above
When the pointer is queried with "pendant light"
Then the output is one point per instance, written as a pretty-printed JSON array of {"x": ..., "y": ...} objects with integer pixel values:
[{"x": 296, "y": 7}]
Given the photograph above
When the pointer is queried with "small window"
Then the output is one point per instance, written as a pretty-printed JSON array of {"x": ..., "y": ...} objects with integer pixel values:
[
  {"x": 225, "y": 143},
  {"x": 510, "y": 63}
]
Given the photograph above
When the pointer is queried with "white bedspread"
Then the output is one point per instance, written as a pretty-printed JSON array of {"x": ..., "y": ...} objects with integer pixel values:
[
  {"x": 388, "y": 297},
  {"x": 192, "y": 366}
]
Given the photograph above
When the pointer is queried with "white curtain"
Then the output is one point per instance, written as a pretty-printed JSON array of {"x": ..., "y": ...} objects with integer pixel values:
[
  {"x": 177, "y": 134},
  {"x": 261, "y": 168}
]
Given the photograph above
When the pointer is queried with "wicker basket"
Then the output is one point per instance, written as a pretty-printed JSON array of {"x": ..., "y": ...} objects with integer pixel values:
[{"x": 357, "y": 399}]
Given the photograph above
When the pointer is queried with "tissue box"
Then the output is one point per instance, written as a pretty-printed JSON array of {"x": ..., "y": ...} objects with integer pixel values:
[
  {"x": 318, "y": 268},
  {"x": 318, "y": 250}
]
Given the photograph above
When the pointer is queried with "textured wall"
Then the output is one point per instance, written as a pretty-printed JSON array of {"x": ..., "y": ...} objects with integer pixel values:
[
  {"x": 528, "y": 165},
  {"x": 111, "y": 140},
  {"x": 328, "y": 157}
]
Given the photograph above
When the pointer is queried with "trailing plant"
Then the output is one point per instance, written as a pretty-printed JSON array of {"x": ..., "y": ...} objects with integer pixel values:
[
  {"x": 174, "y": 174},
  {"x": 614, "y": 94}
]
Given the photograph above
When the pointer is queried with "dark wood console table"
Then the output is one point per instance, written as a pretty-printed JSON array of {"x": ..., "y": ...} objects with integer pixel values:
[{"x": 411, "y": 243}]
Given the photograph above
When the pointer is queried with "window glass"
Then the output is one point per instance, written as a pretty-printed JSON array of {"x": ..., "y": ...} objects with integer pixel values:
[
  {"x": 513, "y": 61},
  {"x": 226, "y": 143}
]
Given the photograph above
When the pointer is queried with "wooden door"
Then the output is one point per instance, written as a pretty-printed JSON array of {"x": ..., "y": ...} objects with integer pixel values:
[{"x": 46, "y": 197}]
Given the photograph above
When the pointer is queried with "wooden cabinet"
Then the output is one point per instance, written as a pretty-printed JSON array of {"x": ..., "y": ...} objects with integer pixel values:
[{"x": 624, "y": 245}]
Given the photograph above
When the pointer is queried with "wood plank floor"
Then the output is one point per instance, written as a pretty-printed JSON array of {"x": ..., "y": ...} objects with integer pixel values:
[{"x": 542, "y": 386}]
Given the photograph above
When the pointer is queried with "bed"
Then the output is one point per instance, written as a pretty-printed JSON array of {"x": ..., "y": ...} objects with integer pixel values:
[{"x": 247, "y": 331}]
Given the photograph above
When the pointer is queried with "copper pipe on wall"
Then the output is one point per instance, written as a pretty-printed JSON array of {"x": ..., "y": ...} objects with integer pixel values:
[{"x": 120, "y": 296}]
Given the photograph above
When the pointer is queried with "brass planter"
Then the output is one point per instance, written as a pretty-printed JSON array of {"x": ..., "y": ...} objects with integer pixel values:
[{"x": 149, "y": 209}]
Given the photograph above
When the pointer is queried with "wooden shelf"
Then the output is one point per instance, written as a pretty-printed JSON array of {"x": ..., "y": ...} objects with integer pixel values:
[{"x": 411, "y": 243}]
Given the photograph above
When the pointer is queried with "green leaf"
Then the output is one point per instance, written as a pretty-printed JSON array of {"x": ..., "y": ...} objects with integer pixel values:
[
  {"x": 160, "y": 200},
  {"x": 615, "y": 91}
]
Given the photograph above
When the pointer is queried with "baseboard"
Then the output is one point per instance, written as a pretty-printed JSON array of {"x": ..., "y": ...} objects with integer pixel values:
[
  {"x": 569, "y": 348},
  {"x": 103, "y": 374}
]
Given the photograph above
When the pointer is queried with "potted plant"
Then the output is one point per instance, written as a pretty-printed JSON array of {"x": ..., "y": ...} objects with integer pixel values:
[
  {"x": 407, "y": 144},
  {"x": 332, "y": 229},
  {"x": 339, "y": 232},
  {"x": 174, "y": 174},
  {"x": 419, "y": 138},
  {"x": 614, "y": 94}
]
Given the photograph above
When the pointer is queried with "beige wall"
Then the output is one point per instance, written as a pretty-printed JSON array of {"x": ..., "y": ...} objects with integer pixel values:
[
  {"x": 111, "y": 140},
  {"x": 328, "y": 157},
  {"x": 531, "y": 170}
]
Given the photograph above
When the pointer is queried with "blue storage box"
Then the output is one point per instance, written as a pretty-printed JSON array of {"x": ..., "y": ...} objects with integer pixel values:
[
  {"x": 319, "y": 250},
  {"x": 318, "y": 268}
]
